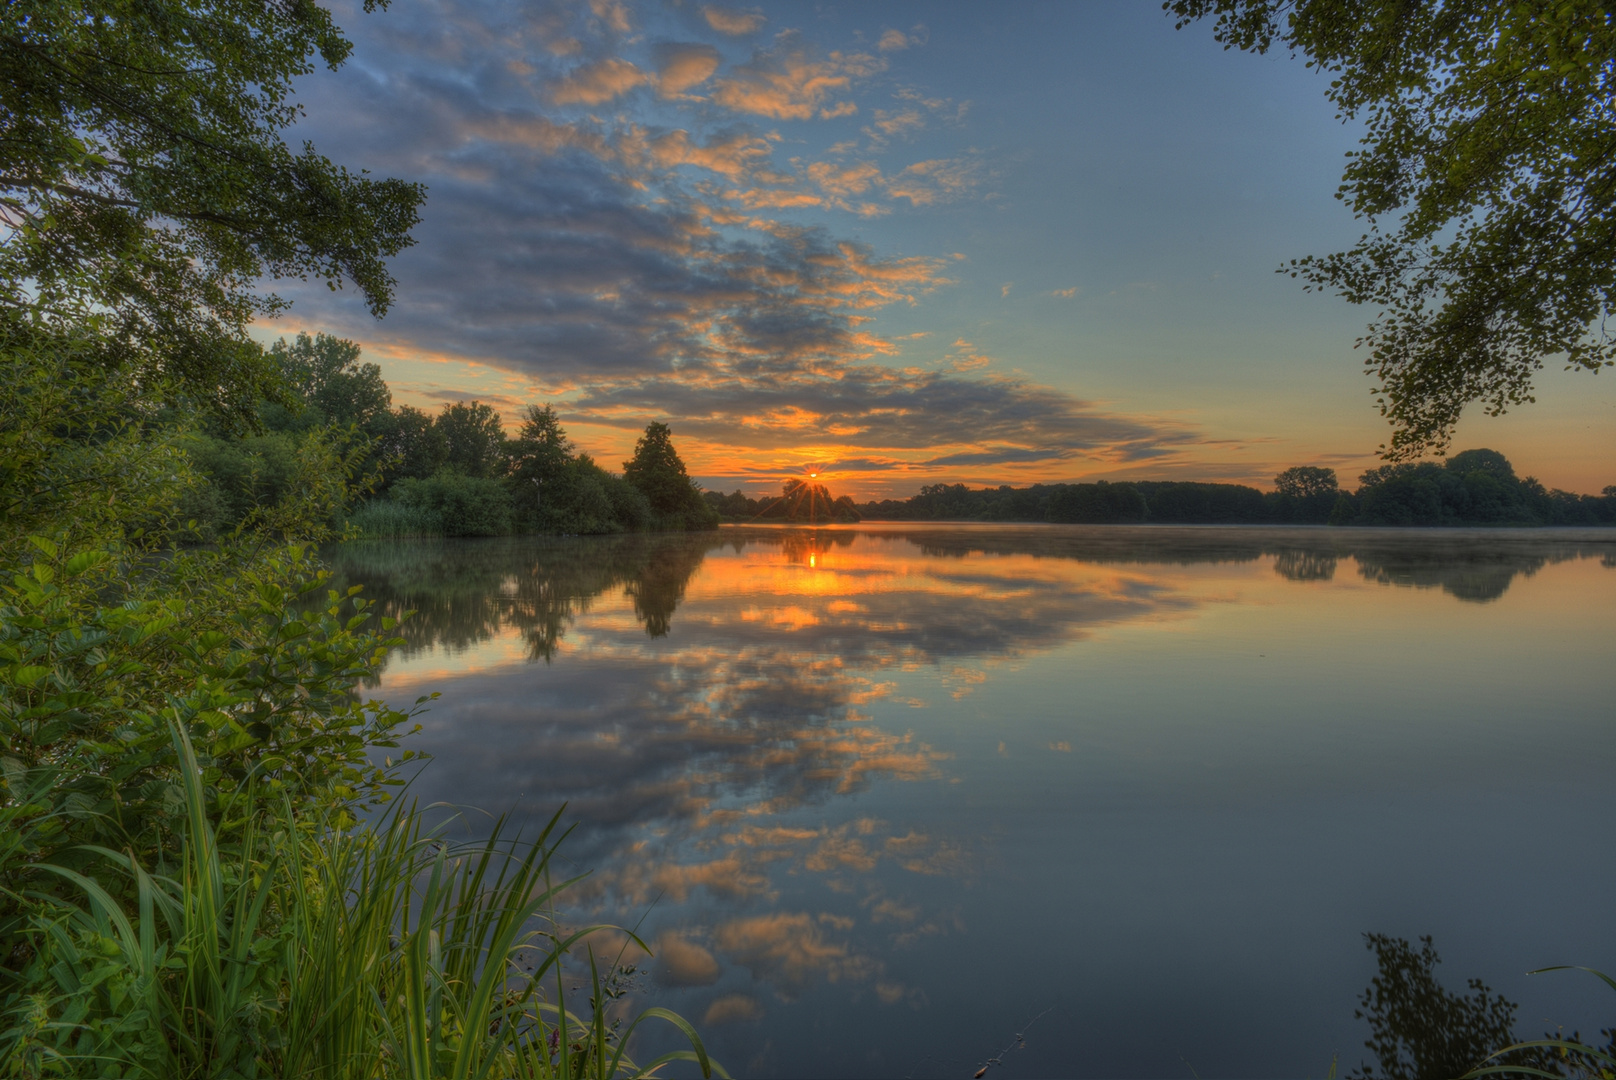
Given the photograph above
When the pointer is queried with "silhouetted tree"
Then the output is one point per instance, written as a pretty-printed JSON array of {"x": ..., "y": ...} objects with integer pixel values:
[{"x": 658, "y": 472}]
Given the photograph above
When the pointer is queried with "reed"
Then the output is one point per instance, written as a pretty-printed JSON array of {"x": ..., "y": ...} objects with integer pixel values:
[
  {"x": 298, "y": 949},
  {"x": 388, "y": 519}
]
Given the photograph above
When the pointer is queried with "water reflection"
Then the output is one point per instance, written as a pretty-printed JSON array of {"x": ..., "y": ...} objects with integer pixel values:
[{"x": 775, "y": 735}]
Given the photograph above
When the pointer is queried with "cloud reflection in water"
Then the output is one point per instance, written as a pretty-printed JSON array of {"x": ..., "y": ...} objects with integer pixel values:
[{"x": 714, "y": 708}]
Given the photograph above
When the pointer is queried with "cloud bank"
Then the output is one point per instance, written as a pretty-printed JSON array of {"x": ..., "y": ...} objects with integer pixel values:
[{"x": 610, "y": 217}]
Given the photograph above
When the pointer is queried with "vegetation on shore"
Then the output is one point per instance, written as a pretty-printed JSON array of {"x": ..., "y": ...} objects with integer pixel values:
[
  {"x": 204, "y": 870},
  {"x": 1475, "y": 487},
  {"x": 453, "y": 474}
]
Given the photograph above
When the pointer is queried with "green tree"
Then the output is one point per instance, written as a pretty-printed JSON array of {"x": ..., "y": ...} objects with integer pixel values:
[
  {"x": 538, "y": 461},
  {"x": 658, "y": 472},
  {"x": 409, "y": 444},
  {"x": 145, "y": 185},
  {"x": 473, "y": 439},
  {"x": 325, "y": 372},
  {"x": 1487, "y": 180}
]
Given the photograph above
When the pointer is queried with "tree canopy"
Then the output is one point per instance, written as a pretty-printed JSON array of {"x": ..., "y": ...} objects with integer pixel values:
[
  {"x": 145, "y": 185},
  {"x": 1487, "y": 178}
]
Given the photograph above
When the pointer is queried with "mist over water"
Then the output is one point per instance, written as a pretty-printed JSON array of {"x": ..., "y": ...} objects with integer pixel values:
[{"x": 882, "y": 795}]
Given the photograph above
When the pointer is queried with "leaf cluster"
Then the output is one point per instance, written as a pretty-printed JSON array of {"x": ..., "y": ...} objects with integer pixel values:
[
  {"x": 145, "y": 183},
  {"x": 1487, "y": 176}
]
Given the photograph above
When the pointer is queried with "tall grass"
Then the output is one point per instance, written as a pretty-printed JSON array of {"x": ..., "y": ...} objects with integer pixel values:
[
  {"x": 388, "y": 519},
  {"x": 298, "y": 951}
]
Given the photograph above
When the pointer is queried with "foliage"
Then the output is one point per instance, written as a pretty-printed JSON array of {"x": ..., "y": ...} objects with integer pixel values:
[
  {"x": 186, "y": 885},
  {"x": 388, "y": 519},
  {"x": 1476, "y": 487},
  {"x": 1096, "y": 503},
  {"x": 473, "y": 439},
  {"x": 658, "y": 472},
  {"x": 287, "y": 948},
  {"x": 332, "y": 385},
  {"x": 1487, "y": 183},
  {"x": 409, "y": 443},
  {"x": 1419, "y": 1030},
  {"x": 144, "y": 183},
  {"x": 79, "y": 452},
  {"x": 458, "y": 505},
  {"x": 558, "y": 490}
]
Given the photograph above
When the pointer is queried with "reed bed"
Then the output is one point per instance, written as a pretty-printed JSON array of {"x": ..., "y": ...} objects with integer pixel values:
[{"x": 299, "y": 949}]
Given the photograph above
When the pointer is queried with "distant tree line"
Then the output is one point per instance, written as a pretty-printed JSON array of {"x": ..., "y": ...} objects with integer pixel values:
[
  {"x": 798, "y": 503},
  {"x": 1476, "y": 487},
  {"x": 452, "y": 474}
]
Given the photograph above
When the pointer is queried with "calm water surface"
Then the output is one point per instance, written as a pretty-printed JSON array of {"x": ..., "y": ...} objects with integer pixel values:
[{"x": 883, "y": 795}]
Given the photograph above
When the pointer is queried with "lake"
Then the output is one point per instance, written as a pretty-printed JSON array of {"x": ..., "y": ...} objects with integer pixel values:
[{"x": 880, "y": 796}]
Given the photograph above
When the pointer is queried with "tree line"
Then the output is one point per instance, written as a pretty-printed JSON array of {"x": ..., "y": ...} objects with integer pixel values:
[
  {"x": 455, "y": 473},
  {"x": 1475, "y": 487},
  {"x": 799, "y": 503}
]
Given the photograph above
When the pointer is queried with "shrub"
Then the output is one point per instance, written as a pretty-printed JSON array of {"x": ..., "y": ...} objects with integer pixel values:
[{"x": 462, "y": 505}]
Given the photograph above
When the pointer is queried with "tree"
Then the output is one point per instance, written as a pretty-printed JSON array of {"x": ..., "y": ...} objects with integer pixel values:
[
  {"x": 1306, "y": 482},
  {"x": 659, "y": 473},
  {"x": 657, "y": 470},
  {"x": 473, "y": 438},
  {"x": 1487, "y": 179},
  {"x": 410, "y": 444},
  {"x": 326, "y": 373},
  {"x": 145, "y": 185}
]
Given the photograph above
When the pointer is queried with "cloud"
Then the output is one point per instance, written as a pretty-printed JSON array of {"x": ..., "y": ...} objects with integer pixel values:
[
  {"x": 791, "y": 950},
  {"x": 598, "y": 83},
  {"x": 1066, "y": 293},
  {"x": 613, "y": 14},
  {"x": 893, "y": 40},
  {"x": 732, "y": 1008},
  {"x": 937, "y": 180},
  {"x": 683, "y": 963},
  {"x": 683, "y": 66},
  {"x": 789, "y": 82},
  {"x": 732, "y": 22},
  {"x": 637, "y": 268}
]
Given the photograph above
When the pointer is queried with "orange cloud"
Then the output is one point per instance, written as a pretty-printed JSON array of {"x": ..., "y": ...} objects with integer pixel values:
[
  {"x": 684, "y": 67},
  {"x": 732, "y": 22},
  {"x": 598, "y": 83},
  {"x": 731, "y": 1008},
  {"x": 787, "y": 83},
  {"x": 613, "y": 13},
  {"x": 937, "y": 180},
  {"x": 683, "y": 963},
  {"x": 791, "y": 951}
]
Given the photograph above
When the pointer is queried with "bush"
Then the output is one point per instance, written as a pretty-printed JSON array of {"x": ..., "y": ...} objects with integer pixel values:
[{"x": 462, "y": 505}]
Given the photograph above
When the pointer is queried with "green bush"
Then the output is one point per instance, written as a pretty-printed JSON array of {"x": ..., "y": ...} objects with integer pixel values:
[{"x": 462, "y": 505}]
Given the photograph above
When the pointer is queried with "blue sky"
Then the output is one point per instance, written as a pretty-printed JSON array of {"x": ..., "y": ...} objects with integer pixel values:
[{"x": 906, "y": 243}]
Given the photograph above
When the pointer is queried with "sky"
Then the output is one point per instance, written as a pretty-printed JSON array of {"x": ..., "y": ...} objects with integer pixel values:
[{"x": 895, "y": 243}]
